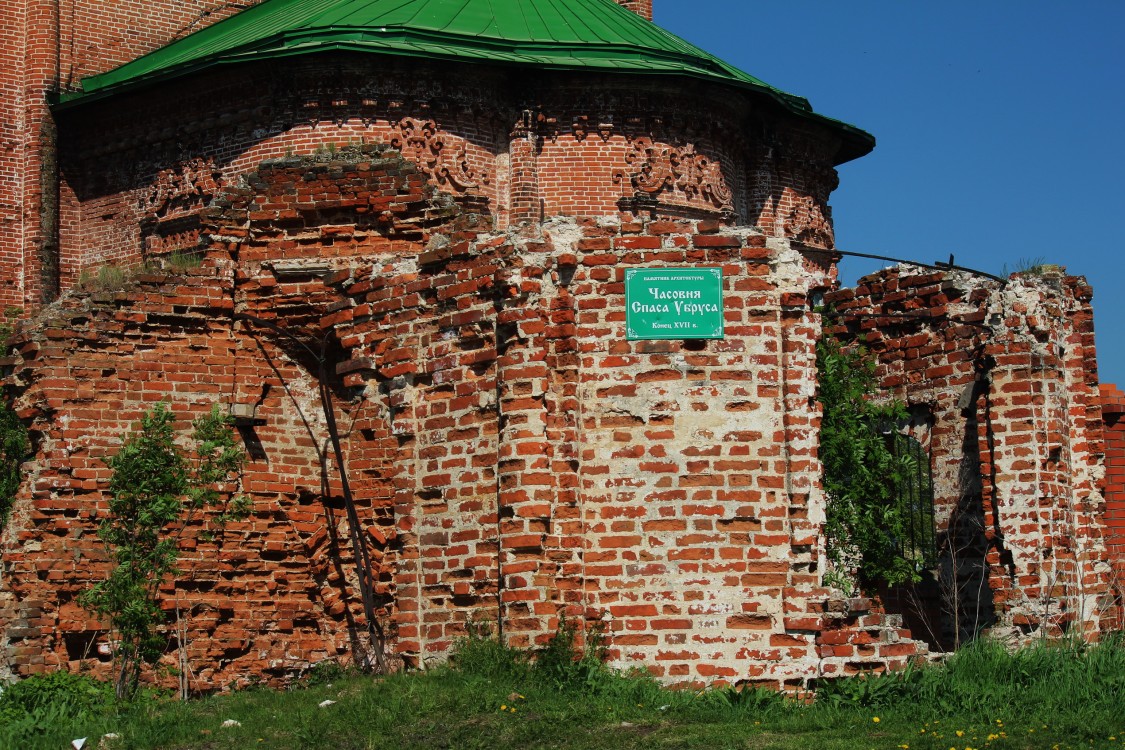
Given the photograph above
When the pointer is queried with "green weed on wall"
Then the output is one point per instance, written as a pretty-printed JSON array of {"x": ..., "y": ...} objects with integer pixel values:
[
  {"x": 862, "y": 474},
  {"x": 14, "y": 450},
  {"x": 154, "y": 490}
]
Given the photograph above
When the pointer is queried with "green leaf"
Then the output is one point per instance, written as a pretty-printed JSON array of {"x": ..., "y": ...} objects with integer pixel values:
[
  {"x": 862, "y": 475},
  {"x": 153, "y": 485}
]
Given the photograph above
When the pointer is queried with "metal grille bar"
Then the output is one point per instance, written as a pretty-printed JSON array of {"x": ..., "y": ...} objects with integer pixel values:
[{"x": 916, "y": 504}]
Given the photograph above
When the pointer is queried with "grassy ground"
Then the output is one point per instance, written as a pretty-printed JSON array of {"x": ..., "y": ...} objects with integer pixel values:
[{"x": 1065, "y": 697}]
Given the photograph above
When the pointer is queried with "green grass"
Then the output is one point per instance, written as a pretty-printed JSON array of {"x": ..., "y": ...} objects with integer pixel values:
[
  {"x": 1071, "y": 696},
  {"x": 181, "y": 262},
  {"x": 108, "y": 278}
]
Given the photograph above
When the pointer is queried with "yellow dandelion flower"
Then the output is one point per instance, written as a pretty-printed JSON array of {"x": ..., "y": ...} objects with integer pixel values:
[
  {"x": 503, "y": 707},
  {"x": 960, "y": 732},
  {"x": 875, "y": 719}
]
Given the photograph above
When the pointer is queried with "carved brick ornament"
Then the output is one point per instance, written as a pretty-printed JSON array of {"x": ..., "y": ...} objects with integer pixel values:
[
  {"x": 683, "y": 171},
  {"x": 184, "y": 187},
  {"x": 806, "y": 222},
  {"x": 442, "y": 157}
]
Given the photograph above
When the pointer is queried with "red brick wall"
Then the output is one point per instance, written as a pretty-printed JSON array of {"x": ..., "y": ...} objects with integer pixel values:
[
  {"x": 642, "y": 8},
  {"x": 578, "y": 162},
  {"x": 1113, "y": 409},
  {"x": 275, "y": 593},
  {"x": 514, "y": 458},
  {"x": 138, "y": 191},
  {"x": 48, "y": 46},
  {"x": 98, "y": 35},
  {"x": 30, "y": 68},
  {"x": 664, "y": 489},
  {"x": 13, "y": 136},
  {"x": 1004, "y": 382}
]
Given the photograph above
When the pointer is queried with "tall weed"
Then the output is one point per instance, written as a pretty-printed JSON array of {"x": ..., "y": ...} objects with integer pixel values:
[
  {"x": 497, "y": 697},
  {"x": 1082, "y": 683},
  {"x": 75, "y": 692},
  {"x": 480, "y": 654},
  {"x": 560, "y": 663},
  {"x": 50, "y": 710}
]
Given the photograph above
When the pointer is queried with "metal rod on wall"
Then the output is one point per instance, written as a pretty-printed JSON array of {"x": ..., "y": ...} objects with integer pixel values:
[{"x": 359, "y": 549}]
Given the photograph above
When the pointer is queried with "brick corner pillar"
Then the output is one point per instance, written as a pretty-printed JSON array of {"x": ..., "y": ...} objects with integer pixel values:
[
  {"x": 525, "y": 198},
  {"x": 1113, "y": 414},
  {"x": 642, "y": 8}
]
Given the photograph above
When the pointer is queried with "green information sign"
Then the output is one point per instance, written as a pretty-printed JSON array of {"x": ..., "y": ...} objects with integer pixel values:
[{"x": 673, "y": 303}]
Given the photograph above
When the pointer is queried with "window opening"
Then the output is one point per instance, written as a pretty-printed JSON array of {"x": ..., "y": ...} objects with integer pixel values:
[{"x": 915, "y": 499}]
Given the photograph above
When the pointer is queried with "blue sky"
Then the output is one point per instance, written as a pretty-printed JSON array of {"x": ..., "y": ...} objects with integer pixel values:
[{"x": 1000, "y": 127}]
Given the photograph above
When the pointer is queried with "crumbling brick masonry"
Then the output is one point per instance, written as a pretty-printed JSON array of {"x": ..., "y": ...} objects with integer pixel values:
[
  {"x": 1001, "y": 383},
  {"x": 516, "y": 459},
  {"x": 421, "y": 237}
]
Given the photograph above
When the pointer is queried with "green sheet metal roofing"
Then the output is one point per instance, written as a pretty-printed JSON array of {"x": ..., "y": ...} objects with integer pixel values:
[{"x": 593, "y": 35}]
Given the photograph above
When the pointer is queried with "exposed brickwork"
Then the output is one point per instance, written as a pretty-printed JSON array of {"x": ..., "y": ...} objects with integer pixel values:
[
  {"x": 29, "y": 148},
  {"x": 567, "y": 470},
  {"x": 1113, "y": 409},
  {"x": 13, "y": 140},
  {"x": 643, "y": 8},
  {"x": 1002, "y": 386},
  {"x": 459, "y": 239},
  {"x": 98, "y": 36},
  {"x": 137, "y": 173},
  {"x": 47, "y": 46},
  {"x": 514, "y": 457},
  {"x": 519, "y": 142}
]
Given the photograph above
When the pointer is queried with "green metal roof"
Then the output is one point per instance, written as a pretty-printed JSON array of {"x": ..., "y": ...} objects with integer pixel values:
[{"x": 559, "y": 34}]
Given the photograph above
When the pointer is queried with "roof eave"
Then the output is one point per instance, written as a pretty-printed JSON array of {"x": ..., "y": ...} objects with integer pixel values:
[{"x": 855, "y": 141}]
